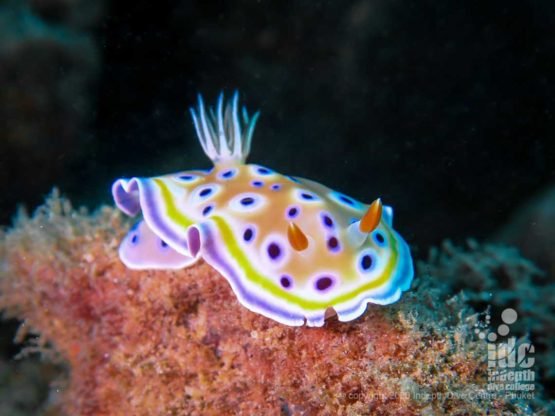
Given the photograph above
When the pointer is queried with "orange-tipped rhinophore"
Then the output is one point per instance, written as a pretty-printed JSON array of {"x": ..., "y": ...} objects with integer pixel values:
[
  {"x": 372, "y": 218},
  {"x": 297, "y": 238}
]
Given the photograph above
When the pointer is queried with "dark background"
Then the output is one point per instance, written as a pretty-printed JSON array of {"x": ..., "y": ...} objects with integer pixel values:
[{"x": 443, "y": 109}]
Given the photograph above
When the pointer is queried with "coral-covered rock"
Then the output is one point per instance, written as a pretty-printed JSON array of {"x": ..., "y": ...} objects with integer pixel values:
[
  {"x": 497, "y": 277},
  {"x": 178, "y": 342}
]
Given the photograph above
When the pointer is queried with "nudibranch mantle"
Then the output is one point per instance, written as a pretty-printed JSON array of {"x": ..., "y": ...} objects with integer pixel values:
[{"x": 292, "y": 249}]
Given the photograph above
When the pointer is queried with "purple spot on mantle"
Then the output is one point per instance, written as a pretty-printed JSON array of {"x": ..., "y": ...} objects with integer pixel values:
[
  {"x": 346, "y": 200},
  {"x": 366, "y": 262},
  {"x": 324, "y": 283},
  {"x": 247, "y": 201},
  {"x": 228, "y": 174},
  {"x": 326, "y": 219},
  {"x": 248, "y": 234},
  {"x": 380, "y": 239},
  {"x": 292, "y": 212},
  {"x": 205, "y": 192},
  {"x": 274, "y": 251},
  {"x": 333, "y": 244},
  {"x": 285, "y": 281}
]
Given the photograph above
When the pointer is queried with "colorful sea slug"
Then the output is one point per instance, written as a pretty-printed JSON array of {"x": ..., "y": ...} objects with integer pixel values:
[{"x": 292, "y": 249}]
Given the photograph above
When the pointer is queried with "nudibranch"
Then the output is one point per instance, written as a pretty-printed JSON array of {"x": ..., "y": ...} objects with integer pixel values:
[{"x": 292, "y": 249}]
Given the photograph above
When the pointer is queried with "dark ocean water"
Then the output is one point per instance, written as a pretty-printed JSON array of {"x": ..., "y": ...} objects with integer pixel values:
[{"x": 443, "y": 109}]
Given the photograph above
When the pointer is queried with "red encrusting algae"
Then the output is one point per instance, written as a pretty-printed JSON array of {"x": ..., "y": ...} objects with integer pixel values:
[{"x": 179, "y": 343}]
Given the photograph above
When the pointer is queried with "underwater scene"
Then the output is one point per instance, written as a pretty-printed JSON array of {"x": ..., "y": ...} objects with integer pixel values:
[{"x": 277, "y": 208}]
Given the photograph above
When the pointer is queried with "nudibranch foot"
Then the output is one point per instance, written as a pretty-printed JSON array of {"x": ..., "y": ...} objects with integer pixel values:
[{"x": 291, "y": 249}]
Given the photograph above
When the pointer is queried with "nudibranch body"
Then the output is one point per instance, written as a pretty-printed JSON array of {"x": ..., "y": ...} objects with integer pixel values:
[{"x": 292, "y": 249}]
